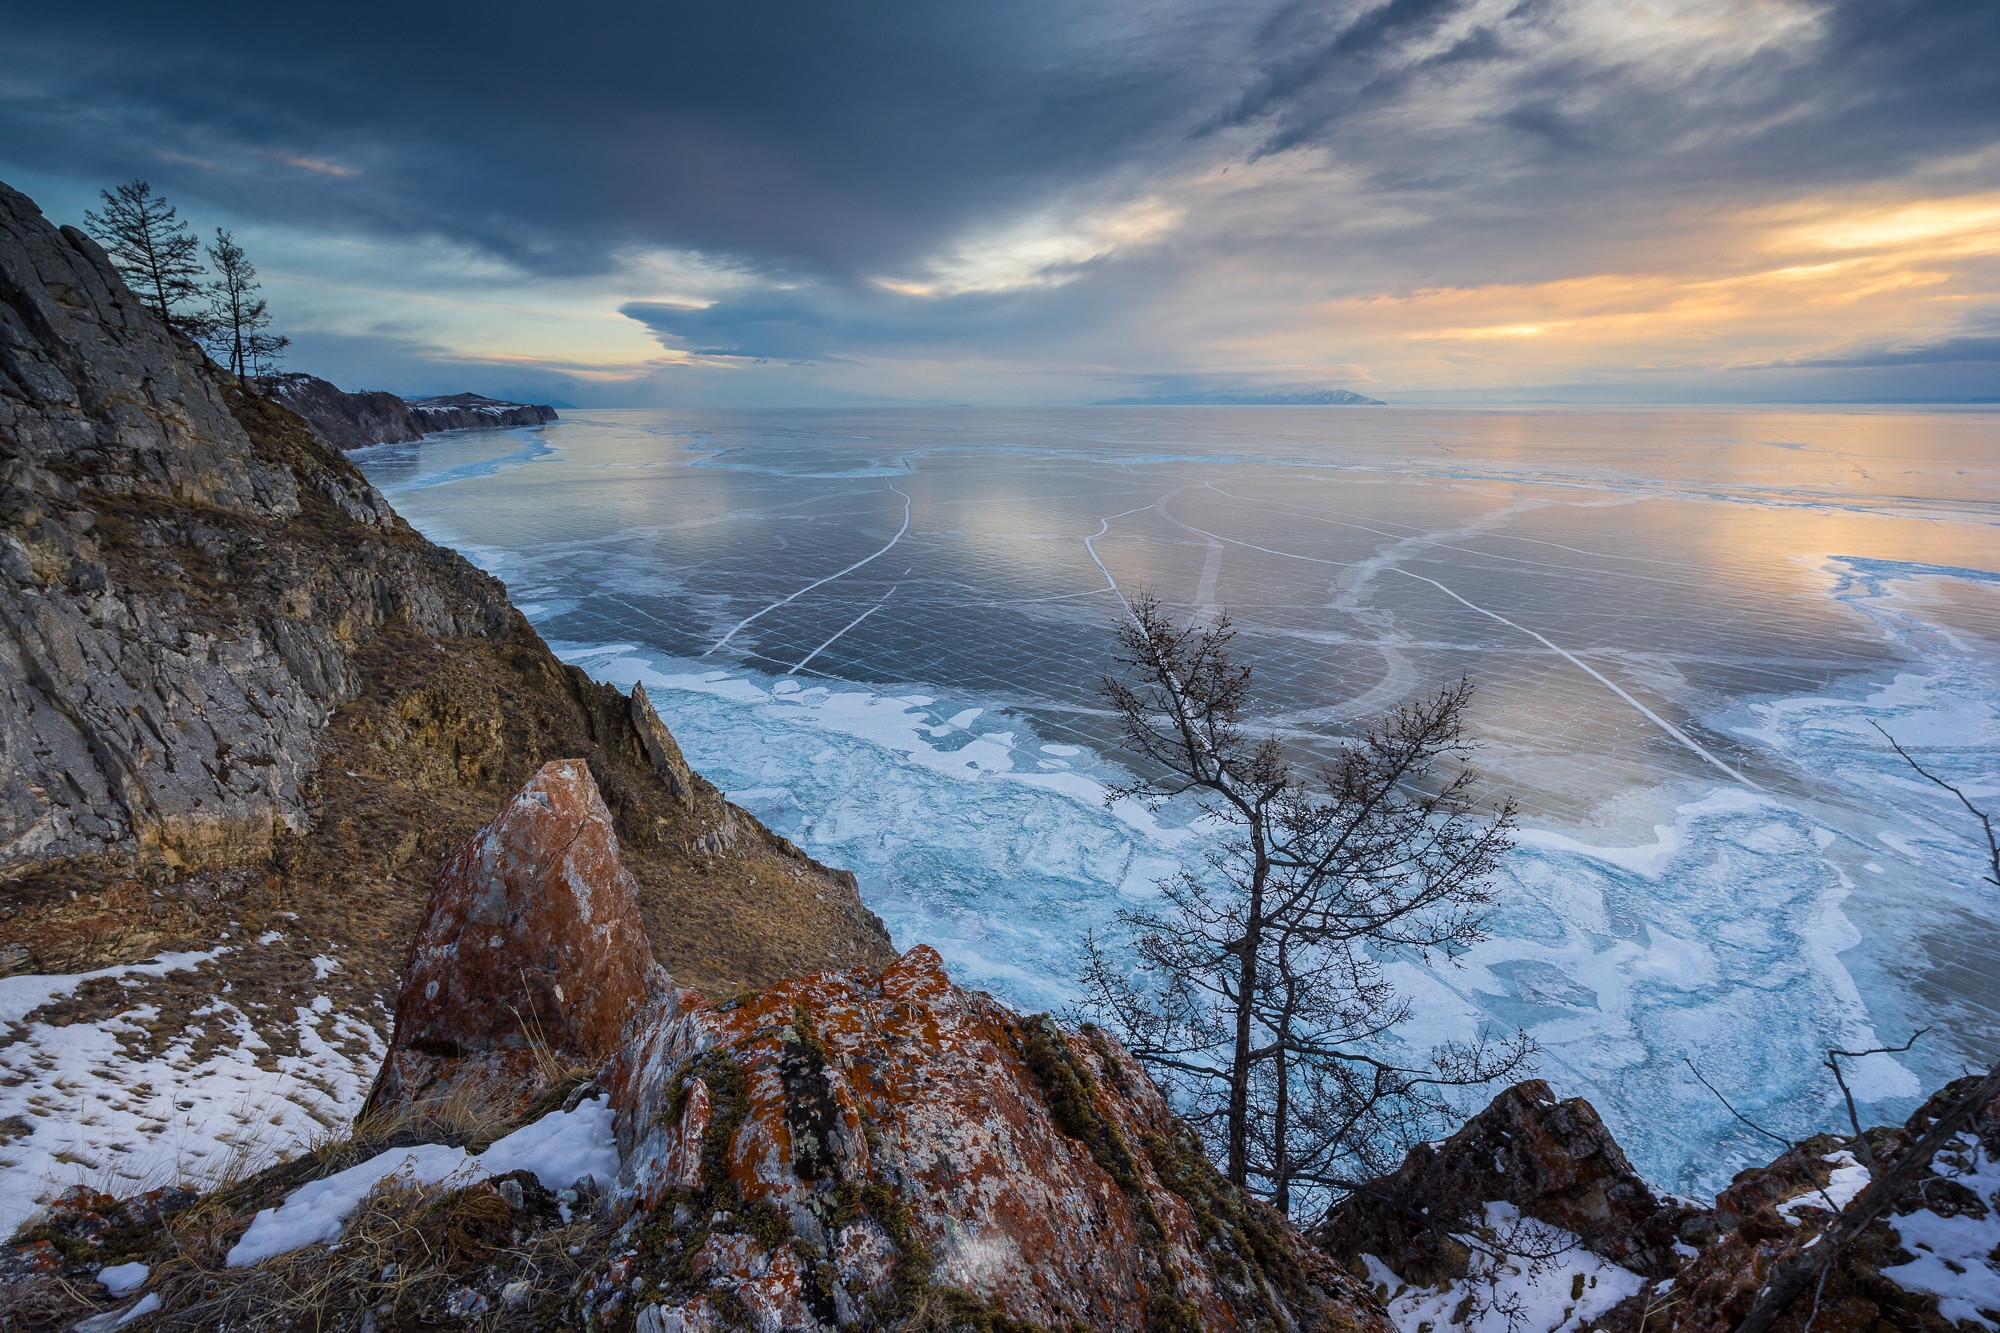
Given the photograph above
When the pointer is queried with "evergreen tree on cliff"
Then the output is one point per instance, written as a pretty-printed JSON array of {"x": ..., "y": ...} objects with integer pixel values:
[
  {"x": 153, "y": 249},
  {"x": 237, "y": 316},
  {"x": 1258, "y": 992}
]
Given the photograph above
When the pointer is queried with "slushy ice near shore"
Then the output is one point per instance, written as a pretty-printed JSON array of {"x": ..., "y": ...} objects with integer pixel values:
[{"x": 1679, "y": 664}]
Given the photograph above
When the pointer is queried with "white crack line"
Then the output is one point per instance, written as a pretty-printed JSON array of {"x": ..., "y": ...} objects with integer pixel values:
[{"x": 816, "y": 582}]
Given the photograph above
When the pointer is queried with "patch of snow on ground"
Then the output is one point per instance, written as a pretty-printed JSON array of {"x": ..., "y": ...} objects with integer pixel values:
[
  {"x": 21, "y": 996},
  {"x": 213, "y": 1100},
  {"x": 1956, "y": 1255},
  {"x": 121, "y": 1278},
  {"x": 560, "y": 1148},
  {"x": 1849, "y": 1179},
  {"x": 1506, "y": 1293}
]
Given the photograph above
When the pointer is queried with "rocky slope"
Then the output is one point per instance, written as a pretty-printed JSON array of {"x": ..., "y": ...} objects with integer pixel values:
[
  {"x": 868, "y": 1148},
  {"x": 245, "y": 713},
  {"x": 353, "y": 420},
  {"x": 1530, "y": 1218}
]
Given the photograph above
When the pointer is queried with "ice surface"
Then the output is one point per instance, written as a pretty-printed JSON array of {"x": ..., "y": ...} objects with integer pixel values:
[
  {"x": 1682, "y": 635},
  {"x": 560, "y": 1148}
]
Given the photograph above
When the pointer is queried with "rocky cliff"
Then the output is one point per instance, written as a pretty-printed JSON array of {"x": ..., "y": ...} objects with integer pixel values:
[
  {"x": 245, "y": 713},
  {"x": 353, "y": 420}
]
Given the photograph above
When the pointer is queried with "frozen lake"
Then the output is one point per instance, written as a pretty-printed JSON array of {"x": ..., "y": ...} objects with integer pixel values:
[{"x": 881, "y": 631}]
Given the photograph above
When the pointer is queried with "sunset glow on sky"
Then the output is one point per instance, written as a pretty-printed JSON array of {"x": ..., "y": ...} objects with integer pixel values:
[{"x": 1421, "y": 200}]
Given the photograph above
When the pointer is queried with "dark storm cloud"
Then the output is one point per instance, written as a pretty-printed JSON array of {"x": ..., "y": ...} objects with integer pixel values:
[
  {"x": 786, "y": 131},
  {"x": 844, "y": 138},
  {"x": 807, "y": 150},
  {"x": 1972, "y": 349},
  {"x": 817, "y": 322}
]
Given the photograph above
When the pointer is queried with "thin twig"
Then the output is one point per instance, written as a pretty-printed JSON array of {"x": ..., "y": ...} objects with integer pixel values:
[
  {"x": 1833, "y": 1062},
  {"x": 1775, "y": 1138},
  {"x": 1992, "y": 842}
]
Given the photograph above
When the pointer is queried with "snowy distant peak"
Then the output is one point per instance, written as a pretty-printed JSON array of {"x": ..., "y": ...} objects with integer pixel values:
[{"x": 1311, "y": 398}]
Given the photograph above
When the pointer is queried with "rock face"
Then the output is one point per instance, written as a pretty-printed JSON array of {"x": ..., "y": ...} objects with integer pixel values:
[
  {"x": 873, "y": 1139},
  {"x": 851, "y": 1149},
  {"x": 127, "y": 715},
  {"x": 1931, "y": 1266},
  {"x": 353, "y": 420},
  {"x": 536, "y": 898},
  {"x": 344, "y": 420},
  {"x": 234, "y": 685},
  {"x": 1553, "y": 1160}
]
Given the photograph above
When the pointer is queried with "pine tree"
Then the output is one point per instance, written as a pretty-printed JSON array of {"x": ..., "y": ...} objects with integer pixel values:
[
  {"x": 153, "y": 249},
  {"x": 237, "y": 316}
]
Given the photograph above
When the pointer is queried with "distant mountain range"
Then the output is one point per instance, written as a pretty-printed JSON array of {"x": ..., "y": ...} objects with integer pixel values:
[{"x": 1316, "y": 398}]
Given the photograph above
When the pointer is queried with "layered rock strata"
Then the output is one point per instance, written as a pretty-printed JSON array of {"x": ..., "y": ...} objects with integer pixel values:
[{"x": 355, "y": 420}]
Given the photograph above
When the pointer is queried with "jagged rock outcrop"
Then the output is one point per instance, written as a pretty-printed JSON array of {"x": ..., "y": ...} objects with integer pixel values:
[
  {"x": 129, "y": 713},
  {"x": 1931, "y": 1265},
  {"x": 847, "y": 1149},
  {"x": 354, "y": 420},
  {"x": 1553, "y": 1160},
  {"x": 854, "y": 1143},
  {"x": 490, "y": 1008}
]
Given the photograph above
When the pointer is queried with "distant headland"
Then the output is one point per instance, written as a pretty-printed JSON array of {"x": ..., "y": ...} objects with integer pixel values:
[
  {"x": 1314, "y": 398},
  {"x": 355, "y": 420}
]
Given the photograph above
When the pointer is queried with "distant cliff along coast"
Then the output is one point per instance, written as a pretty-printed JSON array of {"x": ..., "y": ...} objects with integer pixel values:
[{"x": 355, "y": 420}]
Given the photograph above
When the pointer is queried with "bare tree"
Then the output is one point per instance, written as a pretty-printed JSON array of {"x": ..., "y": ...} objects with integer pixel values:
[
  {"x": 237, "y": 316},
  {"x": 153, "y": 249},
  {"x": 1256, "y": 991}
]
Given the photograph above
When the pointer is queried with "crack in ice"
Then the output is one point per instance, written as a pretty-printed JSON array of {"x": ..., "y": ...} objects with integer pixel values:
[
  {"x": 1597, "y": 675},
  {"x": 741, "y": 624}
]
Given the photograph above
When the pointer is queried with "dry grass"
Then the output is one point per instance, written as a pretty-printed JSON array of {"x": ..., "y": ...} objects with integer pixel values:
[{"x": 406, "y": 1249}]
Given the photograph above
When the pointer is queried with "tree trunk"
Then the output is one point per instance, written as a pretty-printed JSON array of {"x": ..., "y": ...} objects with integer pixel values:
[
  {"x": 1281, "y": 1175},
  {"x": 1246, "y": 995}
]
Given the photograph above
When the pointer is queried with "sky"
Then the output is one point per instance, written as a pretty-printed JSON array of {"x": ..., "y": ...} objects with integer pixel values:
[{"x": 1031, "y": 202}]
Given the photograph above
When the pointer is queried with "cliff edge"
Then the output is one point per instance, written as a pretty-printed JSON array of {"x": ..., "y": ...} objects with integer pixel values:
[
  {"x": 245, "y": 713},
  {"x": 356, "y": 420}
]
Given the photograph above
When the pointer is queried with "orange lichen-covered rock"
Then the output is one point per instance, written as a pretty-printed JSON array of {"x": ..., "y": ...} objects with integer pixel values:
[
  {"x": 531, "y": 957},
  {"x": 860, "y": 1148}
]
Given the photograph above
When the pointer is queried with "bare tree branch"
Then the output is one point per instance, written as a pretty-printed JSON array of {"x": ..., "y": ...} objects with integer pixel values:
[{"x": 1985, "y": 822}]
